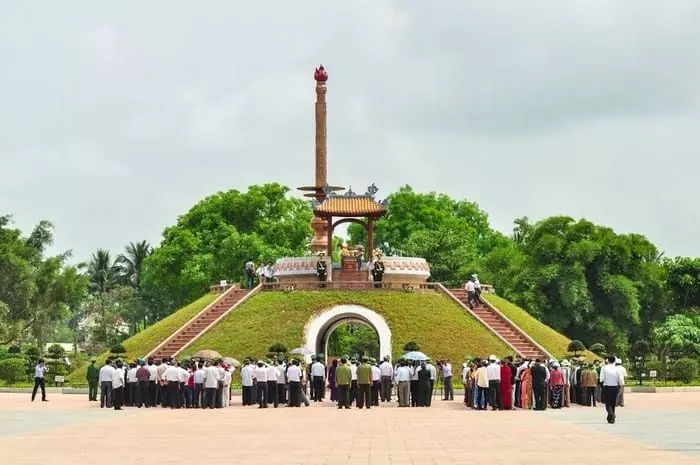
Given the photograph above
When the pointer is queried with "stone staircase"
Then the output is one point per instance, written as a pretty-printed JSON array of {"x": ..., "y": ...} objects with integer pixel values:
[
  {"x": 505, "y": 328},
  {"x": 194, "y": 328}
]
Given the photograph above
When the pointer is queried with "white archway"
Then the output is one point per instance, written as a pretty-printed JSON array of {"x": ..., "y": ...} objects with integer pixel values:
[{"x": 320, "y": 327}]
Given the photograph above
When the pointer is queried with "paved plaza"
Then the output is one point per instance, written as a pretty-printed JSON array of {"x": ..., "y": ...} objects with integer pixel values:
[{"x": 651, "y": 429}]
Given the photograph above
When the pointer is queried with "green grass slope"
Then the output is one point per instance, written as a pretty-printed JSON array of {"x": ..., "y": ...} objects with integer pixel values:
[
  {"x": 140, "y": 344},
  {"x": 435, "y": 322},
  {"x": 555, "y": 343}
]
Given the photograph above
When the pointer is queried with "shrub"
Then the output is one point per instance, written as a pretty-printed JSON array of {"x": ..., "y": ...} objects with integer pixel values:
[
  {"x": 411, "y": 346},
  {"x": 33, "y": 354},
  {"x": 658, "y": 367},
  {"x": 117, "y": 349},
  {"x": 575, "y": 347},
  {"x": 277, "y": 348},
  {"x": 14, "y": 350},
  {"x": 685, "y": 369},
  {"x": 12, "y": 369},
  {"x": 56, "y": 352},
  {"x": 598, "y": 349}
]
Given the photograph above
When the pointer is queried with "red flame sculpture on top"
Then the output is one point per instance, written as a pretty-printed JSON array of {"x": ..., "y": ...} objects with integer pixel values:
[{"x": 321, "y": 75}]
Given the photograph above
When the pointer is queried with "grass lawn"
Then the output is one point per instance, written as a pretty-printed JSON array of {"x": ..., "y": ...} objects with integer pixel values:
[
  {"x": 435, "y": 322},
  {"x": 554, "y": 342},
  {"x": 147, "y": 340}
]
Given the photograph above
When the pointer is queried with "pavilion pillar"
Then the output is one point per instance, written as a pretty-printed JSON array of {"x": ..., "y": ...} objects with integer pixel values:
[
  {"x": 370, "y": 238},
  {"x": 329, "y": 249}
]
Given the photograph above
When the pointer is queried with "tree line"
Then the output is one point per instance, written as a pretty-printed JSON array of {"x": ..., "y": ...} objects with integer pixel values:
[{"x": 583, "y": 279}]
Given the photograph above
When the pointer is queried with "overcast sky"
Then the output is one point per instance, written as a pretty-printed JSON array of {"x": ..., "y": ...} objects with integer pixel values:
[{"x": 116, "y": 117}]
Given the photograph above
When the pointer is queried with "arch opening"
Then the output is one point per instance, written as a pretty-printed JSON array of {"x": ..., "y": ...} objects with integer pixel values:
[{"x": 322, "y": 326}]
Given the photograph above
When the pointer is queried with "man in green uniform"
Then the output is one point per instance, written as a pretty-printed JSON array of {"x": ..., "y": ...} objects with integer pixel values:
[
  {"x": 364, "y": 381},
  {"x": 343, "y": 376},
  {"x": 93, "y": 377}
]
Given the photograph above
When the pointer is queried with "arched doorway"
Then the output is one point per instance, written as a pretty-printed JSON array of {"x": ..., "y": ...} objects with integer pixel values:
[{"x": 321, "y": 326}]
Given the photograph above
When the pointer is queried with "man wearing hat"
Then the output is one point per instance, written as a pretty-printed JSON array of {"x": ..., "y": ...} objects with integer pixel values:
[
  {"x": 93, "y": 377},
  {"x": 364, "y": 383},
  {"x": 378, "y": 269},
  {"x": 477, "y": 289},
  {"x": 343, "y": 378},
  {"x": 322, "y": 268},
  {"x": 623, "y": 375}
]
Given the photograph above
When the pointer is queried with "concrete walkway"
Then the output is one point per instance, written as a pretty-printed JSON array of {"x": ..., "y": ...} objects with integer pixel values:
[{"x": 651, "y": 429}]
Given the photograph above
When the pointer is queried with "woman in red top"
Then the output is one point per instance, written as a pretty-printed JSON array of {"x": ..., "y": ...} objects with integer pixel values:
[{"x": 556, "y": 383}]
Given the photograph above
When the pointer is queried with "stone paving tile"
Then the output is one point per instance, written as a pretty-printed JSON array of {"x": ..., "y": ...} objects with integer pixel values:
[{"x": 444, "y": 434}]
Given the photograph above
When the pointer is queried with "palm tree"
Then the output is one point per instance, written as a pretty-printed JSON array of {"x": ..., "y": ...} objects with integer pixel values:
[
  {"x": 103, "y": 273},
  {"x": 131, "y": 262}
]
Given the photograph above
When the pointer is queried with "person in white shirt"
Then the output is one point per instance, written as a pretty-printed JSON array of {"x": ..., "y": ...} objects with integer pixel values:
[
  {"x": 415, "y": 395},
  {"x": 469, "y": 286},
  {"x": 228, "y": 376},
  {"x": 106, "y": 384},
  {"x": 211, "y": 384},
  {"x": 354, "y": 387},
  {"x": 197, "y": 401},
  {"x": 318, "y": 380},
  {"x": 623, "y": 375},
  {"x": 447, "y": 377},
  {"x": 387, "y": 372},
  {"x": 152, "y": 385},
  {"x": 39, "y": 382},
  {"x": 477, "y": 289},
  {"x": 261, "y": 271},
  {"x": 172, "y": 378},
  {"x": 376, "y": 382},
  {"x": 493, "y": 371},
  {"x": 403, "y": 380},
  {"x": 247, "y": 382},
  {"x": 611, "y": 378},
  {"x": 272, "y": 375},
  {"x": 294, "y": 375},
  {"x": 132, "y": 384},
  {"x": 261, "y": 377},
  {"x": 118, "y": 385},
  {"x": 466, "y": 371},
  {"x": 281, "y": 382},
  {"x": 433, "y": 377}
]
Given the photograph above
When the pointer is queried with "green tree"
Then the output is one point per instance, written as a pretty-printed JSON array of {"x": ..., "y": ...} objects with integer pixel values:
[
  {"x": 678, "y": 336},
  {"x": 131, "y": 262},
  {"x": 12, "y": 369},
  {"x": 575, "y": 347},
  {"x": 216, "y": 237},
  {"x": 56, "y": 352},
  {"x": 684, "y": 281},
  {"x": 104, "y": 273},
  {"x": 411, "y": 346},
  {"x": 36, "y": 291},
  {"x": 598, "y": 349}
]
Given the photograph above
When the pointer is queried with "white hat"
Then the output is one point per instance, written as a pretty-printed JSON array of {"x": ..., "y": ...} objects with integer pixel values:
[
  {"x": 475, "y": 275},
  {"x": 618, "y": 361},
  {"x": 555, "y": 364},
  {"x": 565, "y": 363},
  {"x": 492, "y": 358}
]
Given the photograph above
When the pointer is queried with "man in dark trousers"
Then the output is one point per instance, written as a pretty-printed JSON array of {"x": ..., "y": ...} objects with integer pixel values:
[
  {"x": 343, "y": 377},
  {"x": 93, "y": 377},
  {"x": 364, "y": 382},
  {"x": 612, "y": 381},
  {"x": 539, "y": 384},
  {"x": 322, "y": 269},
  {"x": 143, "y": 376}
]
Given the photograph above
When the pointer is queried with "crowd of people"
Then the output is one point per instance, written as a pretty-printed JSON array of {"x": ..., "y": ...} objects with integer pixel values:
[
  {"x": 493, "y": 383},
  {"x": 507, "y": 384}
]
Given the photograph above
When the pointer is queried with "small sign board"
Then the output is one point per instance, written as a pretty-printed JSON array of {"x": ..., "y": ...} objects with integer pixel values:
[
  {"x": 652, "y": 373},
  {"x": 58, "y": 379}
]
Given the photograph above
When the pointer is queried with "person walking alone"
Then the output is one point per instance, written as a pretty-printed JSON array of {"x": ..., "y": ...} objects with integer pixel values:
[
  {"x": 39, "y": 379},
  {"x": 611, "y": 378}
]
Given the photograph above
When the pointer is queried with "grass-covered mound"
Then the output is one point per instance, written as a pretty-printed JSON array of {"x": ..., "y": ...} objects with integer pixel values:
[
  {"x": 140, "y": 344},
  {"x": 555, "y": 343},
  {"x": 435, "y": 322}
]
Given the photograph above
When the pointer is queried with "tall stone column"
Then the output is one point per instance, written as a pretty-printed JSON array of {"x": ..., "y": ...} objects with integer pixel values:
[{"x": 319, "y": 243}]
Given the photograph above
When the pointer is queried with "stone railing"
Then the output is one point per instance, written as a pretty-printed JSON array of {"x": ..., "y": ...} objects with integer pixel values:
[{"x": 348, "y": 285}]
